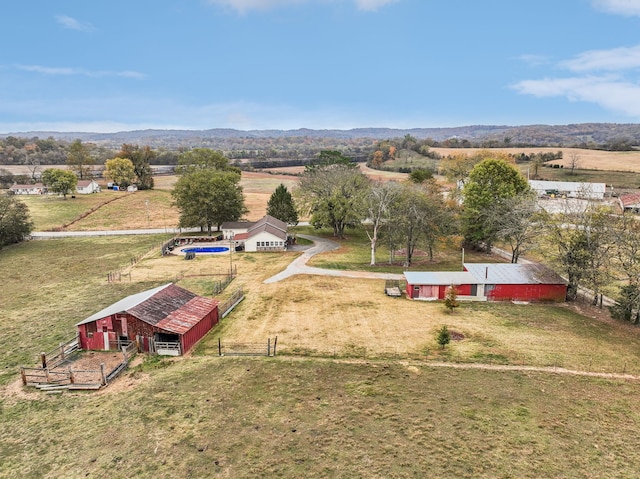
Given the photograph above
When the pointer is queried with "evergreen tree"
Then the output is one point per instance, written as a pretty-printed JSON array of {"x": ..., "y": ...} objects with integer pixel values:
[
  {"x": 282, "y": 207},
  {"x": 443, "y": 337}
]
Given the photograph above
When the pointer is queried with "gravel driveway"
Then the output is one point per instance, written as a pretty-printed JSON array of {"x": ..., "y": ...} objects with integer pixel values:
[{"x": 321, "y": 245}]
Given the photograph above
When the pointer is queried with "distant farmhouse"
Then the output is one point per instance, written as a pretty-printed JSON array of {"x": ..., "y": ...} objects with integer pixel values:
[
  {"x": 266, "y": 234},
  {"x": 489, "y": 282},
  {"x": 167, "y": 320},
  {"x": 86, "y": 187},
  {"x": 569, "y": 189},
  {"x": 35, "y": 189}
]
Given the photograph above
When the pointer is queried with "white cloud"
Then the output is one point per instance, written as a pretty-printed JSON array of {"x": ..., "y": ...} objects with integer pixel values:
[
  {"x": 615, "y": 59},
  {"x": 73, "y": 24},
  {"x": 622, "y": 7},
  {"x": 372, "y": 5},
  {"x": 67, "y": 71},
  {"x": 609, "y": 92},
  {"x": 243, "y": 6}
]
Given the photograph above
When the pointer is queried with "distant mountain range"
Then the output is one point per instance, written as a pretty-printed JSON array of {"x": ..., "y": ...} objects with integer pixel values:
[{"x": 587, "y": 134}]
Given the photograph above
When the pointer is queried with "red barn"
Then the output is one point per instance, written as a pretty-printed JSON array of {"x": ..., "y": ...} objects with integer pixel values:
[
  {"x": 167, "y": 320},
  {"x": 490, "y": 282}
]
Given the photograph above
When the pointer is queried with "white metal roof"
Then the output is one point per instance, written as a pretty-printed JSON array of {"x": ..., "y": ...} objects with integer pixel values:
[
  {"x": 571, "y": 188},
  {"x": 445, "y": 278},
  {"x": 510, "y": 273}
]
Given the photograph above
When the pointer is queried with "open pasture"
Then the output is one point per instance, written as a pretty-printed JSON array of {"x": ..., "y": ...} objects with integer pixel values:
[{"x": 248, "y": 418}]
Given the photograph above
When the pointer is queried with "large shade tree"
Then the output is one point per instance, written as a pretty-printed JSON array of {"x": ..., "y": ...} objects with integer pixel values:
[
  {"x": 334, "y": 192},
  {"x": 121, "y": 171},
  {"x": 208, "y": 192},
  {"x": 490, "y": 183},
  {"x": 141, "y": 159},
  {"x": 63, "y": 182},
  {"x": 15, "y": 222},
  {"x": 79, "y": 159}
]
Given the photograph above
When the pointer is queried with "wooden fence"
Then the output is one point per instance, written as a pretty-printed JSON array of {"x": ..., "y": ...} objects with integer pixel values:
[
  {"x": 59, "y": 378},
  {"x": 57, "y": 356},
  {"x": 248, "y": 349}
]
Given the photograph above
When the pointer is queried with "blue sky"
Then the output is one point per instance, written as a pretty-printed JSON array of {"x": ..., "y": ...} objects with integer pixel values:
[{"x": 78, "y": 65}]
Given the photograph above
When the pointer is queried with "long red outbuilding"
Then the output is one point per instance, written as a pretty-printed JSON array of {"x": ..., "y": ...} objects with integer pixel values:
[{"x": 490, "y": 282}]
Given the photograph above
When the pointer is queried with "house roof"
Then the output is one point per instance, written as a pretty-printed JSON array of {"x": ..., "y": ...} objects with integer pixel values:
[
  {"x": 630, "y": 199},
  {"x": 237, "y": 225},
  {"x": 84, "y": 183},
  {"x": 17, "y": 186},
  {"x": 167, "y": 307},
  {"x": 443, "y": 278},
  {"x": 510, "y": 273}
]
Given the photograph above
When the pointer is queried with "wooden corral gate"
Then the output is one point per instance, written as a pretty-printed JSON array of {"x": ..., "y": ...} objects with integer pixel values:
[
  {"x": 60, "y": 378},
  {"x": 248, "y": 349}
]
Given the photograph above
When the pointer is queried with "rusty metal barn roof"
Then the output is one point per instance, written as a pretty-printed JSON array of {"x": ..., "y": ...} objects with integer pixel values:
[
  {"x": 183, "y": 319},
  {"x": 176, "y": 308}
]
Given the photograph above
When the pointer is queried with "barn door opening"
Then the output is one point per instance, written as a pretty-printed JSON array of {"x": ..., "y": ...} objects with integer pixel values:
[{"x": 167, "y": 344}]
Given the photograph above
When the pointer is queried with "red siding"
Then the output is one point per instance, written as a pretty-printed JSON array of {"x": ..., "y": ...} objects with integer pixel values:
[{"x": 528, "y": 292}]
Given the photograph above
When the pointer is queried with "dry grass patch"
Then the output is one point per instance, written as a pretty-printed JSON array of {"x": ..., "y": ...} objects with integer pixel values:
[{"x": 244, "y": 418}]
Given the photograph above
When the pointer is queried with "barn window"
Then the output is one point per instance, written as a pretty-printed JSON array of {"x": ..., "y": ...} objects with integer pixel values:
[{"x": 92, "y": 327}]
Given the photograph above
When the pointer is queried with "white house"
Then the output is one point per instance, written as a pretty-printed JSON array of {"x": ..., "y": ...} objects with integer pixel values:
[
  {"x": 86, "y": 187},
  {"x": 35, "y": 189},
  {"x": 266, "y": 234}
]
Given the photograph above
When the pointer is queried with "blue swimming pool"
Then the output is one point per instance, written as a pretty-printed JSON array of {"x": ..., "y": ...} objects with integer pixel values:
[{"x": 205, "y": 249}]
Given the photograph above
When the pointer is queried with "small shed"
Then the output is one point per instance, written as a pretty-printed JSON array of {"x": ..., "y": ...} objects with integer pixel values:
[
  {"x": 167, "y": 320},
  {"x": 630, "y": 202},
  {"x": 518, "y": 282}
]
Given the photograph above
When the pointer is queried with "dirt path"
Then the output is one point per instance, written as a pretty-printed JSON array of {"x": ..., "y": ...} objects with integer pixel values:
[
  {"x": 482, "y": 366},
  {"x": 321, "y": 245}
]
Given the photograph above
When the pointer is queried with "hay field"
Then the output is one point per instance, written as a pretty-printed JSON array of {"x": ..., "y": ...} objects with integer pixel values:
[{"x": 588, "y": 159}]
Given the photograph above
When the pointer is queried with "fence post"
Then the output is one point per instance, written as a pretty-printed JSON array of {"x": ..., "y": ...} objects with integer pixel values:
[
  {"x": 72, "y": 379},
  {"x": 43, "y": 359},
  {"x": 124, "y": 353},
  {"x": 275, "y": 342},
  {"x": 24, "y": 376},
  {"x": 268, "y": 346},
  {"x": 219, "y": 348},
  {"x": 61, "y": 350},
  {"x": 103, "y": 374}
]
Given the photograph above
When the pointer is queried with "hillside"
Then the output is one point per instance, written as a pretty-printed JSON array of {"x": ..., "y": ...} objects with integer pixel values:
[{"x": 585, "y": 134}]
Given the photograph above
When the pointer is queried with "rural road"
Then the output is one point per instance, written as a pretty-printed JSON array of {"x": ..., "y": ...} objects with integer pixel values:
[{"x": 321, "y": 245}]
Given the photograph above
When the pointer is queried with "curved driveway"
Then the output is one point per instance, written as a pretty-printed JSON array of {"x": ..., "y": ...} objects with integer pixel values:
[{"x": 321, "y": 245}]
